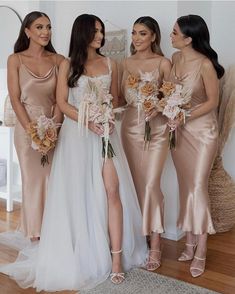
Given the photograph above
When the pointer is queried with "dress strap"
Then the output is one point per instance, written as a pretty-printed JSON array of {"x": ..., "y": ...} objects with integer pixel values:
[
  {"x": 55, "y": 59},
  {"x": 109, "y": 65},
  {"x": 20, "y": 58}
]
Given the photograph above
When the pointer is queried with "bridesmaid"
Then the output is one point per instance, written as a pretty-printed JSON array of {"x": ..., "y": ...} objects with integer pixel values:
[
  {"x": 195, "y": 65},
  {"x": 32, "y": 76},
  {"x": 146, "y": 64}
]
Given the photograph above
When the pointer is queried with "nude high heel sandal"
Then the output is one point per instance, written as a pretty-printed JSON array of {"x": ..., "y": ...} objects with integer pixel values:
[
  {"x": 153, "y": 263},
  {"x": 198, "y": 270},
  {"x": 184, "y": 256},
  {"x": 117, "y": 278}
]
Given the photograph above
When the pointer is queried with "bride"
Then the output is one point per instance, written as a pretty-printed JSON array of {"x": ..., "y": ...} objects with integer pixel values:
[{"x": 92, "y": 224}]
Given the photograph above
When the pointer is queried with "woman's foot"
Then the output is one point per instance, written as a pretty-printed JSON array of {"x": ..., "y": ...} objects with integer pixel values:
[
  {"x": 188, "y": 252},
  {"x": 154, "y": 260},
  {"x": 154, "y": 257},
  {"x": 197, "y": 267},
  {"x": 117, "y": 276}
]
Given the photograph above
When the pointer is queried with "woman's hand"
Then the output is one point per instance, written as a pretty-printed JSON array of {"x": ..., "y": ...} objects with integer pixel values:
[
  {"x": 174, "y": 124},
  {"x": 151, "y": 114},
  {"x": 111, "y": 128},
  {"x": 96, "y": 128}
]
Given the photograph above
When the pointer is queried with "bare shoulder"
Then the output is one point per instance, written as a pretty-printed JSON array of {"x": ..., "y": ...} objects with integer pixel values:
[
  {"x": 207, "y": 65},
  {"x": 175, "y": 56},
  {"x": 59, "y": 58},
  {"x": 13, "y": 60},
  {"x": 65, "y": 65},
  {"x": 165, "y": 62}
]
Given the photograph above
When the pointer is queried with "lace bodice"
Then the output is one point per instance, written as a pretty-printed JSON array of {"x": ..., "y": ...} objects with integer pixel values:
[{"x": 78, "y": 93}]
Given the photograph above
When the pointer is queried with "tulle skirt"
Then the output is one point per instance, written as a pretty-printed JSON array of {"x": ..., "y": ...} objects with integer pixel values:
[{"x": 74, "y": 250}]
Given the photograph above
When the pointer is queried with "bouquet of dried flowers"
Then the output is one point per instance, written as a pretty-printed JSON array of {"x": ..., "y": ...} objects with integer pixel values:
[
  {"x": 175, "y": 104},
  {"x": 97, "y": 107},
  {"x": 143, "y": 91},
  {"x": 43, "y": 133}
]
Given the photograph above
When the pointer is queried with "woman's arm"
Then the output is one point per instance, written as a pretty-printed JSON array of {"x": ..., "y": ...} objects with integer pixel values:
[
  {"x": 211, "y": 84},
  {"x": 62, "y": 91},
  {"x": 114, "y": 84},
  {"x": 165, "y": 69},
  {"x": 14, "y": 90},
  {"x": 59, "y": 116},
  {"x": 121, "y": 98}
]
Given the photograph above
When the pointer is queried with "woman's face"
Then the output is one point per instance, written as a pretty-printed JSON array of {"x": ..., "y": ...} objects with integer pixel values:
[
  {"x": 40, "y": 31},
  {"x": 96, "y": 43},
  {"x": 178, "y": 39},
  {"x": 142, "y": 37}
]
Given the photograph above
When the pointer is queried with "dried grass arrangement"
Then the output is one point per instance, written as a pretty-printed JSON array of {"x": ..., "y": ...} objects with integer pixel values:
[{"x": 221, "y": 185}]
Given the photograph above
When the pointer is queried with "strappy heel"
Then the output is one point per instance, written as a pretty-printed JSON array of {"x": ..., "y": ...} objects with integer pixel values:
[
  {"x": 197, "y": 271},
  {"x": 184, "y": 256},
  {"x": 153, "y": 263},
  {"x": 117, "y": 278}
]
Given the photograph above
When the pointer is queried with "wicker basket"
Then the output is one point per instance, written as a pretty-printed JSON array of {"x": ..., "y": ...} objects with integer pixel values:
[{"x": 9, "y": 113}]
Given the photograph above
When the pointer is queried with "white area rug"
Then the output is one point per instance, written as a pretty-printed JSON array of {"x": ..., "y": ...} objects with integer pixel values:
[{"x": 139, "y": 281}]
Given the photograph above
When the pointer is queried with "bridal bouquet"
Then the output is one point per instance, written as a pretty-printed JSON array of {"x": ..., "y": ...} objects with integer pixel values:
[
  {"x": 97, "y": 107},
  {"x": 174, "y": 104},
  {"x": 43, "y": 133},
  {"x": 143, "y": 91}
]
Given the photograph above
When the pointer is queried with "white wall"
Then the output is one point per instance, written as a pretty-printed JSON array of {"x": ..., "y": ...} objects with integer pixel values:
[{"x": 219, "y": 16}]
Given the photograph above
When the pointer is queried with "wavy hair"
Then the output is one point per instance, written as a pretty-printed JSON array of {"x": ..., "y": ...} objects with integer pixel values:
[
  {"x": 195, "y": 27},
  {"x": 22, "y": 42},
  {"x": 83, "y": 33},
  {"x": 153, "y": 26}
]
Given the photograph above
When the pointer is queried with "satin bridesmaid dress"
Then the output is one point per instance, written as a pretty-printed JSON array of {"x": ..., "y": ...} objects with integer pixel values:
[
  {"x": 146, "y": 164},
  {"x": 194, "y": 155},
  {"x": 38, "y": 97}
]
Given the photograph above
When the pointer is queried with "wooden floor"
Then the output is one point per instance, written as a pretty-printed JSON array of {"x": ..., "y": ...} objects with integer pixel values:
[{"x": 220, "y": 269}]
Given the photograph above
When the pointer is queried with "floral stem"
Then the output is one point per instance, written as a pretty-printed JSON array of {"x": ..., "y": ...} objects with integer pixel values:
[
  {"x": 110, "y": 152},
  {"x": 44, "y": 159},
  {"x": 147, "y": 133},
  {"x": 172, "y": 139}
]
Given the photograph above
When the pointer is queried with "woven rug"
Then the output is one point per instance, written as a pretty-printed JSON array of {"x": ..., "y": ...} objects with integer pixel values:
[{"x": 140, "y": 281}]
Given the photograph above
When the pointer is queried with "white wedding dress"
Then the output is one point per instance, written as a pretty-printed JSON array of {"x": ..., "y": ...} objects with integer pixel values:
[{"x": 74, "y": 250}]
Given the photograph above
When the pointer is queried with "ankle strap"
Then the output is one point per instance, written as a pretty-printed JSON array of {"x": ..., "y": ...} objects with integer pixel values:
[
  {"x": 190, "y": 245},
  {"x": 199, "y": 258},
  {"x": 154, "y": 250},
  {"x": 116, "y": 252}
]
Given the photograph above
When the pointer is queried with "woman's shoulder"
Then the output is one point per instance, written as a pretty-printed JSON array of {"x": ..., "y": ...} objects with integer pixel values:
[
  {"x": 175, "y": 56},
  {"x": 207, "y": 66},
  {"x": 59, "y": 58},
  {"x": 164, "y": 61},
  {"x": 14, "y": 60},
  {"x": 65, "y": 63}
]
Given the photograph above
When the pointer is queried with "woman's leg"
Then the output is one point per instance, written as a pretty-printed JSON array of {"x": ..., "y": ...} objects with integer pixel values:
[
  {"x": 115, "y": 214},
  {"x": 190, "y": 245},
  {"x": 154, "y": 259}
]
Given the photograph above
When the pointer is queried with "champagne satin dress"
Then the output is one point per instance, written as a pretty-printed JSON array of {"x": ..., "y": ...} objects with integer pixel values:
[
  {"x": 194, "y": 155},
  {"x": 38, "y": 97},
  {"x": 146, "y": 165}
]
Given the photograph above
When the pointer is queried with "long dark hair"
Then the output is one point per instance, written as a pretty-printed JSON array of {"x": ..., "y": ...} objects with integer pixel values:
[
  {"x": 153, "y": 26},
  {"x": 83, "y": 33},
  {"x": 22, "y": 43},
  {"x": 195, "y": 27}
]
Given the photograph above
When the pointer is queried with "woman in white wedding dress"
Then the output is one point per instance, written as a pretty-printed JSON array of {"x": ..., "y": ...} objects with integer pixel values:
[{"x": 92, "y": 224}]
